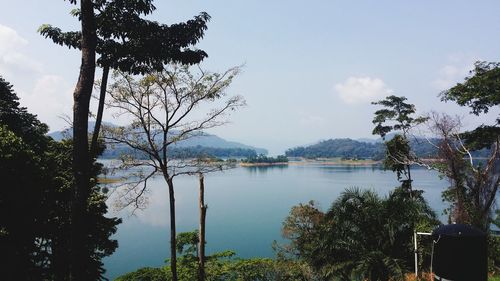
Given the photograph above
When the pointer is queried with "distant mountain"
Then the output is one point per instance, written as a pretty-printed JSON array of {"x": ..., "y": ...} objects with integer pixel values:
[
  {"x": 60, "y": 135},
  {"x": 68, "y": 133},
  {"x": 208, "y": 140},
  {"x": 204, "y": 144}
]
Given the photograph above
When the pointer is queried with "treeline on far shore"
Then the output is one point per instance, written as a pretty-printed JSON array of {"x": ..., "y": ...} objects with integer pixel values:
[
  {"x": 187, "y": 152},
  {"x": 353, "y": 149},
  {"x": 333, "y": 148}
]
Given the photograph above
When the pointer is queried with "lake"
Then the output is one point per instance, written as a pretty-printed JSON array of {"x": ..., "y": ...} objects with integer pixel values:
[{"x": 246, "y": 207}]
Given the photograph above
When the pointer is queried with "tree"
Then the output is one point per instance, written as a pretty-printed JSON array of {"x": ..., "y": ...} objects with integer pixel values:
[
  {"x": 480, "y": 91},
  {"x": 361, "y": 237},
  {"x": 98, "y": 33},
  {"x": 35, "y": 200},
  {"x": 163, "y": 107},
  {"x": 204, "y": 166},
  {"x": 203, "y": 215},
  {"x": 81, "y": 158},
  {"x": 474, "y": 184},
  {"x": 397, "y": 116},
  {"x": 130, "y": 43},
  {"x": 22, "y": 143},
  {"x": 299, "y": 229}
]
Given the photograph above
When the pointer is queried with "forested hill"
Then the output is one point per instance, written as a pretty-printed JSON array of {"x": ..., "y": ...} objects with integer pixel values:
[{"x": 349, "y": 148}]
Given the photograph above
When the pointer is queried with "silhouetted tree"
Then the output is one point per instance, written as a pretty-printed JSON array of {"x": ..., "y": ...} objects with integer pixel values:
[{"x": 35, "y": 201}]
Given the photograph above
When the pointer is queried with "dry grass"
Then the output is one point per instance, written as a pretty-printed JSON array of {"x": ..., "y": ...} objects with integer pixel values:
[{"x": 426, "y": 276}]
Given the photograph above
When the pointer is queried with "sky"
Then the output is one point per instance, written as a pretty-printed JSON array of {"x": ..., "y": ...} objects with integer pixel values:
[{"x": 311, "y": 68}]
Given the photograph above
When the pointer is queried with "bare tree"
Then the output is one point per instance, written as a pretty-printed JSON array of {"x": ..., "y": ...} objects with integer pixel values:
[
  {"x": 205, "y": 165},
  {"x": 473, "y": 184},
  {"x": 203, "y": 215},
  {"x": 166, "y": 108}
]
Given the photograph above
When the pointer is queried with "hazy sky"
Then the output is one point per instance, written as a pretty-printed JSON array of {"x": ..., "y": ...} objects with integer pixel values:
[{"x": 311, "y": 67}]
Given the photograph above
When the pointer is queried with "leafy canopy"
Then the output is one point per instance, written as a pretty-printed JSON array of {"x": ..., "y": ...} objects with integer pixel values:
[
  {"x": 480, "y": 92},
  {"x": 362, "y": 236},
  {"x": 128, "y": 42},
  {"x": 395, "y": 116}
]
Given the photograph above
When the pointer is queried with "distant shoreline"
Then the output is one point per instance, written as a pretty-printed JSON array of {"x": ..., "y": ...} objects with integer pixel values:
[
  {"x": 297, "y": 161},
  {"x": 336, "y": 161}
]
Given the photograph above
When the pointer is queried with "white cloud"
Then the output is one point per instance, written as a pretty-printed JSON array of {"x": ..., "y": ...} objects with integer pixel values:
[
  {"x": 10, "y": 40},
  {"x": 50, "y": 99},
  {"x": 456, "y": 69},
  {"x": 12, "y": 59},
  {"x": 361, "y": 90},
  {"x": 48, "y": 96}
]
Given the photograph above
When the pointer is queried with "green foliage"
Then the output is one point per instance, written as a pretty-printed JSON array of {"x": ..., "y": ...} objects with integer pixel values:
[
  {"x": 480, "y": 91},
  {"x": 219, "y": 266},
  {"x": 299, "y": 227},
  {"x": 186, "y": 152},
  {"x": 361, "y": 237},
  {"x": 481, "y": 138},
  {"x": 395, "y": 116},
  {"x": 18, "y": 120},
  {"x": 474, "y": 184},
  {"x": 265, "y": 159},
  {"x": 19, "y": 195},
  {"x": 146, "y": 274},
  {"x": 494, "y": 278},
  {"x": 396, "y": 155},
  {"x": 494, "y": 254},
  {"x": 187, "y": 243},
  {"x": 494, "y": 248},
  {"x": 346, "y": 148},
  {"x": 35, "y": 200},
  {"x": 129, "y": 42}
]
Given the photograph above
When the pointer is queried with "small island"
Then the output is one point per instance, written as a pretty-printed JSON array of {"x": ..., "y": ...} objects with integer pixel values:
[{"x": 262, "y": 160}]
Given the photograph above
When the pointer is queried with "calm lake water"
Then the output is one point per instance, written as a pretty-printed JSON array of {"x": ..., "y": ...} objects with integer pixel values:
[{"x": 246, "y": 207}]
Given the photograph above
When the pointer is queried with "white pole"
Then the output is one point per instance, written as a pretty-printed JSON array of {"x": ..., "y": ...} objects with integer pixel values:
[
  {"x": 415, "y": 249},
  {"x": 416, "y": 263}
]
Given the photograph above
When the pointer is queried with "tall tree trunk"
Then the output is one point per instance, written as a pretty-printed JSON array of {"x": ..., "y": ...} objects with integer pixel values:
[
  {"x": 203, "y": 215},
  {"x": 100, "y": 110},
  {"x": 173, "y": 240},
  {"x": 60, "y": 255},
  {"x": 81, "y": 165}
]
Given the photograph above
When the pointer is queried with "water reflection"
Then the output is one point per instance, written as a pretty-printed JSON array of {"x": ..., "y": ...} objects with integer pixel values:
[
  {"x": 264, "y": 169},
  {"x": 247, "y": 206}
]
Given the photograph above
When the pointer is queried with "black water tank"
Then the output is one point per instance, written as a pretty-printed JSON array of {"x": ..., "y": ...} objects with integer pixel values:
[{"x": 460, "y": 253}]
